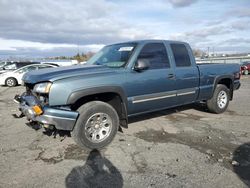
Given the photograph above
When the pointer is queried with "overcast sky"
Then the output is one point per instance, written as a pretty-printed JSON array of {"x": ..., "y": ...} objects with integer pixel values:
[{"x": 42, "y": 28}]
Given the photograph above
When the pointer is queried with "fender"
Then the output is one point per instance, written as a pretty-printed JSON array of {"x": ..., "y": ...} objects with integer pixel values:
[
  {"x": 219, "y": 78},
  {"x": 74, "y": 96}
]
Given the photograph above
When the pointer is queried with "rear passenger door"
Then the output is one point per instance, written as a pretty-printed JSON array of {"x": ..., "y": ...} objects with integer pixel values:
[{"x": 186, "y": 73}]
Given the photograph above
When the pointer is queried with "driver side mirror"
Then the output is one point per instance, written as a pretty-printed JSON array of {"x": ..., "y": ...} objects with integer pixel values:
[{"x": 141, "y": 64}]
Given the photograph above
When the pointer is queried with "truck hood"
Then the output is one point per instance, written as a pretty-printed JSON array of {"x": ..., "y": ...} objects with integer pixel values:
[{"x": 53, "y": 74}]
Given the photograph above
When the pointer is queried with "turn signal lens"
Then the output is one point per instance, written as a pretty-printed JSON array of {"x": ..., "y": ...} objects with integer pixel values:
[{"x": 37, "y": 110}]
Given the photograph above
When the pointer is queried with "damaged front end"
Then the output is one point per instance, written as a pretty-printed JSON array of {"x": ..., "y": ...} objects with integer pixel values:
[
  {"x": 29, "y": 106},
  {"x": 36, "y": 109}
]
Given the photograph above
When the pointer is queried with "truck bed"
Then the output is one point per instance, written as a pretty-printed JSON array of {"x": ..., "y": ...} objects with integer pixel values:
[{"x": 210, "y": 72}]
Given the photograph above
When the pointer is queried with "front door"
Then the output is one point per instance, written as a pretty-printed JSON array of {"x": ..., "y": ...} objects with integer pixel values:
[{"x": 154, "y": 88}]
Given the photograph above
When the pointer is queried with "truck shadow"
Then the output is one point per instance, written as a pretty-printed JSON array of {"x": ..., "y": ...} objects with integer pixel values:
[
  {"x": 97, "y": 171},
  {"x": 241, "y": 157},
  {"x": 197, "y": 106}
]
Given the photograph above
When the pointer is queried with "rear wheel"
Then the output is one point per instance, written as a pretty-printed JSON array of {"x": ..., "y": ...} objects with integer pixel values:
[
  {"x": 220, "y": 100},
  {"x": 246, "y": 72},
  {"x": 11, "y": 82},
  {"x": 96, "y": 126}
]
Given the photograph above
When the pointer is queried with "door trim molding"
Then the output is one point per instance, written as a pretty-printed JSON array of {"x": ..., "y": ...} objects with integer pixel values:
[{"x": 162, "y": 95}]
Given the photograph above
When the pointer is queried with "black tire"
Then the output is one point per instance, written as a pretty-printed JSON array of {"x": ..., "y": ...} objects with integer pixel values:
[
  {"x": 91, "y": 110},
  {"x": 214, "y": 105},
  {"x": 11, "y": 82}
]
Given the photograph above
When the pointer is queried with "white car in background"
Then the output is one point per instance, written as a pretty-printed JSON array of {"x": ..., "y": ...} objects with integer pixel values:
[{"x": 13, "y": 78}]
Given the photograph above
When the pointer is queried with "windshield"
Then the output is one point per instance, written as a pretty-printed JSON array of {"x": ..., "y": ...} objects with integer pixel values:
[
  {"x": 26, "y": 69},
  {"x": 116, "y": 55}
]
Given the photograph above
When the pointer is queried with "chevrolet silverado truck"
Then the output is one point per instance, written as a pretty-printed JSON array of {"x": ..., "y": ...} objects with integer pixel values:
[{"x": 122, "y": 80}]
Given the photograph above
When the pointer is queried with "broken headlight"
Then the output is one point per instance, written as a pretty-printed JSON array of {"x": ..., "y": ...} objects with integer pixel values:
[{"x": 42, "y": 87}]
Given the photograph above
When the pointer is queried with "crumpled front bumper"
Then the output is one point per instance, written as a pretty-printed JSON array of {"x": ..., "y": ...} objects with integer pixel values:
[{"x": 61, "y": 119}]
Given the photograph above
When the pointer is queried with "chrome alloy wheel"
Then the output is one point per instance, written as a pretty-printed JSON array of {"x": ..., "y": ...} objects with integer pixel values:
[
  {"x": 98, "y": 127},
  {"x": 222, "y": 99}
]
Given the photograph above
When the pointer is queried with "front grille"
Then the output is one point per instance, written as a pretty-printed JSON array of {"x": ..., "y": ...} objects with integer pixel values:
[
  {"x": 43, "y": 98},
  {"x": 29, "y": 87}
]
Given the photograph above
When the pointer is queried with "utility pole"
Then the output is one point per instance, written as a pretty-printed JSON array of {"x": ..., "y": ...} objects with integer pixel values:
[{"x": 78, "y": 47}]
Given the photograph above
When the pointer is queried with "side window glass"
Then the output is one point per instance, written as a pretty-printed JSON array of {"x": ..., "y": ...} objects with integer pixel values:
[
  {"x": 43, "y": 66},
  {"x": 26, "y": 69},
  {"x": 156, "y": 54},
  {"x": 32, "y": 68},
  {"x": 10, "y": 66},
  {"x": 181, "y": 55},
  {"x": 22, "y": 70}
]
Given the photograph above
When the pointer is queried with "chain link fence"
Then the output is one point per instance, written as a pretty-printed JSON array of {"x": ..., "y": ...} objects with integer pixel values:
[{"x": 224, "y": 60}]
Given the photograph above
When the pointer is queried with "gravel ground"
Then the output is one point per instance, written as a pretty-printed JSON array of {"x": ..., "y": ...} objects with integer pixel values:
[{"x": 182, "y": 147}]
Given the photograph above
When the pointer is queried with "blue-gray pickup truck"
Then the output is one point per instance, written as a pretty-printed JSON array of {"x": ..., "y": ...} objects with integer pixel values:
[{"x": 123, "y": 80}]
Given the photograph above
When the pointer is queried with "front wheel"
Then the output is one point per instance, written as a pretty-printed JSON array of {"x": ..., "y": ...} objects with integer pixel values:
[
  {"x": 96, "y": 126},
  {"x": 220, "y": 100}
]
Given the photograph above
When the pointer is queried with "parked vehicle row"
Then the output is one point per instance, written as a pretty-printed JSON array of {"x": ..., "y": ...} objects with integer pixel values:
[{"x": 13, "y": 78}]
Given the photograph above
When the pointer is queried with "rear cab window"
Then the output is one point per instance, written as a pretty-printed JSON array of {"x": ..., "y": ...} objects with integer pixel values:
[
  {"x": 156, "y": 54},
  {"x": 181, "y": 55}
]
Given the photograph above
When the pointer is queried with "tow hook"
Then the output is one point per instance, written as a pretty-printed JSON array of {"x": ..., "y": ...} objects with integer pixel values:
[
  {"x": 21, "y": 115},
  {"x": 17, "y": 99}
]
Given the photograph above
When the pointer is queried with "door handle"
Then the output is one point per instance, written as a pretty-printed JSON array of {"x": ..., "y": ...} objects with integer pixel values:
[{"x": 171, "y": 76}]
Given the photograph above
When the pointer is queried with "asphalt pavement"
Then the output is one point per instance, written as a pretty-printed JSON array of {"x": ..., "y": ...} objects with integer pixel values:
[{"x": 180, "y": 147}]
